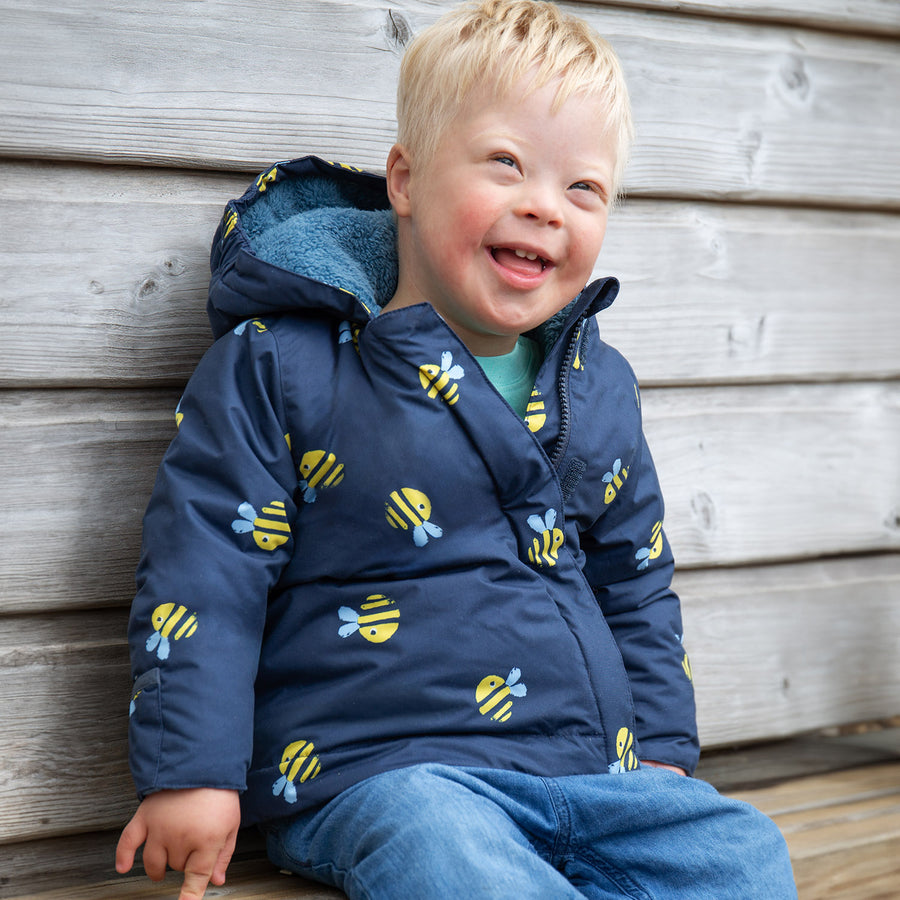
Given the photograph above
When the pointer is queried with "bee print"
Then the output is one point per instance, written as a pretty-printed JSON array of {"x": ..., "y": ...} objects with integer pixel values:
[
  {"x": 296, "y": 757},
  {"x": 259, "y": 326},
  {"x": 441, "y": 381},
  {"x": 685, "y": 661},
  {"x": 645, "y": 554},
  {"x": 411, "y": 507},
  {"x": 166, "y": 619},
  {"x": 266, "y": 179},
  {"x": 627, "y": 760},
  {"x": 493, "y": 692},
  {"x": 545, "y": 547},
  {"x": 231, "y": 219},
  {"x": 179, "y": 415},
  {"x": 377, "y": 623},
  {"x": 349, "y": 332},
  {"x": 269, "y": 533},
  {"x": 614, "y": 479},
  {"x": 535, "y": 416},
  {"x": 133, "y": 705},
  {"x": 317, "y": 467},
  {"x": 576, "y": 363}
]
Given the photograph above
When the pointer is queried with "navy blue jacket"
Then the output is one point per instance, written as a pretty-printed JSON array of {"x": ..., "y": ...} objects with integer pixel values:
[{"x": 358, "y": 557}]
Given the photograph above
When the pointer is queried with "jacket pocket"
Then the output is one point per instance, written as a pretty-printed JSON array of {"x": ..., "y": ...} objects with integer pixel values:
[{"x": 145, "y": 731}]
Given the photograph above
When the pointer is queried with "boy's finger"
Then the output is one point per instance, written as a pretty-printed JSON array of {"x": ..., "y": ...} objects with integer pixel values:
[
  {"x": 133, "y": 835},
  {"x": 198, "y": 869},
  {"x": 218, "y": 873}
]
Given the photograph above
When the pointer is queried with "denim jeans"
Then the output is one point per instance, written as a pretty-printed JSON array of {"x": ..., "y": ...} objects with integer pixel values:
[{"x": 434, "y": 831}]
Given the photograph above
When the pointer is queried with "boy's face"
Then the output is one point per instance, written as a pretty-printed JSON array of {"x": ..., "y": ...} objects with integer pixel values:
[{"x": 502, "y": 227}]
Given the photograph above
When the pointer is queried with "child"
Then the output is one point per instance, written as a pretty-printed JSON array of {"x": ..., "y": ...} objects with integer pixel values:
[{"x": 404, "y": 594}]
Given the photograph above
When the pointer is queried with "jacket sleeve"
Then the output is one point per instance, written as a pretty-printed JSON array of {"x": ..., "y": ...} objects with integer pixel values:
[
  {"x": 629, "y": 565},
  {"x": 217, "y": 534}
]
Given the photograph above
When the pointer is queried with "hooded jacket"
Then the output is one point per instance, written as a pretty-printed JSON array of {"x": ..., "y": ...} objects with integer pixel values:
[{"x": 357, "y": 557}]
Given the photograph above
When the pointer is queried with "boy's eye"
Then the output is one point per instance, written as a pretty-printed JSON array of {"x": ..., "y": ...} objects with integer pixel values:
[{"x": 506, "y": 160}]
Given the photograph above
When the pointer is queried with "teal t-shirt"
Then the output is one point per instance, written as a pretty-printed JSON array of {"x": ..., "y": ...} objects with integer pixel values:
[{"x": 513, "y": 374}]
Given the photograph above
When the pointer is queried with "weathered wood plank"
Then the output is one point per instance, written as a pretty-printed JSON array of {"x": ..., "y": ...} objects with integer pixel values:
[
  {"x": 848, "y": 16},
  {"x": 76, "y": 471},
  {"x": 750, "y": 474},
  {"x": 177, "y": 89},
  {"x": 64, "y": 681},
  {"x": 842, "y": 830},
  {"x": 777, "y": 472},
  {"x": 245, "y": 881},
  {"x": 103, "y": 282},
  {"x": 779, "y": 650}
]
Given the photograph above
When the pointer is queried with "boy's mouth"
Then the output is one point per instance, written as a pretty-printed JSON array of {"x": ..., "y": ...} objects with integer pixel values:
[{"x": 525, "y": 262}]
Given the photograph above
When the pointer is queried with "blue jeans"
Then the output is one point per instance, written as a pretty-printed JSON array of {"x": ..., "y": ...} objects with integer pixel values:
[{"x": 434, "y": 831}]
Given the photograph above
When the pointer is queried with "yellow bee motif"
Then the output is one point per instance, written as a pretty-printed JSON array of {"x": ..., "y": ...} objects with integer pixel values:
[
  {"x": 411, "y": 507},
  {"x": 493, "y": 691},
  {"x": 259, "y": 326},
  {"x": 296, "y": 756},
  {"x": 535, "y": 417},
  {"x": 576, "y": 363},
  {"x": 179, "y": 415},
  {"x": 338, "y": 165},
  {"x": 645, "y": 554},
  {"x": 319, "y": 467},
  {"x": 614, "y": 481},
  {"x": 378, "y": 622},
  {"x": 627, "y": 761},
  {"x": 347, "y": 332},
  {"x": 545, "y": 549},
  {"x": 442, "y": 380},
  {"x": 685, "y": 662},
  {"x": 266, "y": 178},
  {"x": 231, "y": 218},
  {"x": 268, "y": 533},
  {"x": 166, "y": 618}
]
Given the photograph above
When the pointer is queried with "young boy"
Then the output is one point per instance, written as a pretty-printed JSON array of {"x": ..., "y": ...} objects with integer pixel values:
[{"x": 404, "y": 596}]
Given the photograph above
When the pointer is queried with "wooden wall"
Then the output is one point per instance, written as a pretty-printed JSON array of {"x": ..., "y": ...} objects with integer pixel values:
[{"x": 759, "y": 250}]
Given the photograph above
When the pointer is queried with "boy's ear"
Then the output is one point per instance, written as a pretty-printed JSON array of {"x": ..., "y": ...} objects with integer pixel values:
[{"x": 398, "y": 175}]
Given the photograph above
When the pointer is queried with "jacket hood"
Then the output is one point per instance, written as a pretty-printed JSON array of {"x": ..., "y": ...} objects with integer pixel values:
[{"x": 319, "y": 236}]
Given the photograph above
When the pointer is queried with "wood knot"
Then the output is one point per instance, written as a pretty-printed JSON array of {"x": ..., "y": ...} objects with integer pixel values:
[{"x": 398, "y": 30}]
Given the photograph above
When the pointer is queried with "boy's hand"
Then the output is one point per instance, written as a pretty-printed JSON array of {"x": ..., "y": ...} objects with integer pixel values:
[
  {"x": 658, "y": 765},
  {"x": 192, "y": 830}
]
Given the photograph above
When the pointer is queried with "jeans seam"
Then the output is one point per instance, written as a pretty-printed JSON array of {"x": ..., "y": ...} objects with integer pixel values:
[{"x": 622, "y": 880}]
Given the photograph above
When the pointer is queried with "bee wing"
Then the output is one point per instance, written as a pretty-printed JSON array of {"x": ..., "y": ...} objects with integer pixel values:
[
  {"x": 432, "y": 529},
  {"x": 152, "y": 641},
  {"x": 309, "y": 493},
  {"x": 348, "y": 629},
  {"x": 246, "y": 511},
  {"x": 241, "y": 526},
  {"x": 278, "y": 787},
  {"x": 290, "y": 792},
  {"x": 518, "y": 690},
  {"x": 347, "y": 614},
  {"x": 550, "y": 519},
  {"x": 536, "y": 523},
  {"x": 163, "y": 651},
  {"x": 514, "y": 675},
  {"x": 456, "y": 371},
  {"x": 446, "y": 360},
  {"x": 420, "y": 538},
  {"x": 608, "y": 477},
  {"x": 617, "y": 465}
]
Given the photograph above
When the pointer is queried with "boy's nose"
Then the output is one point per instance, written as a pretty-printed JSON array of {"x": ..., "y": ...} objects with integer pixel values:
[{"x": 540, "y": 203}]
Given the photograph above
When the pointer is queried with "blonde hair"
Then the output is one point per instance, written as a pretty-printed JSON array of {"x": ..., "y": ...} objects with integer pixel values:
[{"x": 499, "y": 42}]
